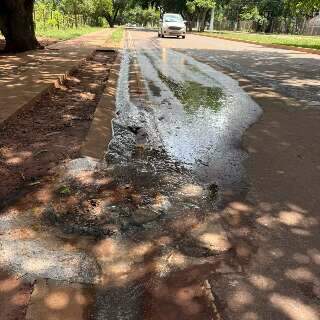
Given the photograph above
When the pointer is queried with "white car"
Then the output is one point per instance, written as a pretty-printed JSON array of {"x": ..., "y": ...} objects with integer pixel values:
[{"x": 172, "y": 25}]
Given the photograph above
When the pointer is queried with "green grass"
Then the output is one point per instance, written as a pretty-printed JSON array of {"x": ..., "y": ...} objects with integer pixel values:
[
  {"x": 312, "y": 42},
  {"x": 66, "y": 34},
  {"x": 117, "y": 35}
]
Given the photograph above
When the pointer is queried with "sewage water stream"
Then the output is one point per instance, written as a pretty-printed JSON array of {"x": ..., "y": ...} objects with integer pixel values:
[
  {"x": 176, "y": 145},
  {"x": 200, "y": 115}
]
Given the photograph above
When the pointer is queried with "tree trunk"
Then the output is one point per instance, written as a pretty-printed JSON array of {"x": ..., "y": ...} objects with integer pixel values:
[
  {"x": 212, "y": 19},
  {"x": 203, "y": 20},
  {"x": 238, "y": 22},
  {"x": 115, "y": 16},
  {"x": 198, "y": 23},
  {"x": 270, "y": 24},
  {"x": 17, "y": 26},
  {"x": 110, "y": 20}
]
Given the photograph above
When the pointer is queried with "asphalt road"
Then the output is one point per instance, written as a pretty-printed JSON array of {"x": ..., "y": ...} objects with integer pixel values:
[
  {"x": 290, "y": 73},
  {"x": 274, "y": 224}
]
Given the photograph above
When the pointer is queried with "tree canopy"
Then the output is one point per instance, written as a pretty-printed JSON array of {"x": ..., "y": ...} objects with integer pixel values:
[{"x": 18, "y": 27}]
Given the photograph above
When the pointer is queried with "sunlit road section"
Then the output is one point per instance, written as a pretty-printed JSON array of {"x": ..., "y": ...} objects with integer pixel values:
[{"x": 242, "y": 119}]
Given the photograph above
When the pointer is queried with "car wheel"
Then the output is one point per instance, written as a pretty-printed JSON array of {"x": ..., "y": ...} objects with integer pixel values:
[
  {"x": 162, "y": 36},
  {"x": 183, "y": 37},
  {"x": 159, "y": 35}
]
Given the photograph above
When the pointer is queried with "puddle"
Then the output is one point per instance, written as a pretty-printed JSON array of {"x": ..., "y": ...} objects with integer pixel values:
[
  {"x": 191, "y": 94},
  {"x": 194, "y": 96}
]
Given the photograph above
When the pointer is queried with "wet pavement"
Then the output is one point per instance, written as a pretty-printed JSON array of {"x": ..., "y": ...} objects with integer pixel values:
[
  {"x": 200, "y": 114},
  {"x": 267, "y": 279},
  {"x": 291, "y": 74}
]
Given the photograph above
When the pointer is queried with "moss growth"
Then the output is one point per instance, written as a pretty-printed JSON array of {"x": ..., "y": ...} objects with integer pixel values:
[
  {"x": 193, "y": 95},
  {"x": 64, "y": 191}
]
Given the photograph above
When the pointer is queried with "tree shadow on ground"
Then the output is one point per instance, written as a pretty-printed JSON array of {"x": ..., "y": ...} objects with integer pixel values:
[
  {"x": 51, "y": 129},
  {"x": 292, "y": 74},
  {"x": 276, "y": 228}
]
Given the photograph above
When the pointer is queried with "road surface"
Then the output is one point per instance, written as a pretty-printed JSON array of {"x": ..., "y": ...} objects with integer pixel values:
[
  {"x": 270, "y": 191},
  {"x": 290, "y": 73}
]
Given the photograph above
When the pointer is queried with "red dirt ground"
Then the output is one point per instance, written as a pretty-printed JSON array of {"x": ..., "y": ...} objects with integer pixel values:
[{"x": 52, "y": 130}]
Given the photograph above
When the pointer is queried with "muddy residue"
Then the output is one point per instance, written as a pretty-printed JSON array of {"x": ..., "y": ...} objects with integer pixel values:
[{"x": 148, "y": 218}]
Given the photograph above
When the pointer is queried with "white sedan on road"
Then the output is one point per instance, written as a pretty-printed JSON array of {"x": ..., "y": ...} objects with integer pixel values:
[{"x": 172, "y": 25}]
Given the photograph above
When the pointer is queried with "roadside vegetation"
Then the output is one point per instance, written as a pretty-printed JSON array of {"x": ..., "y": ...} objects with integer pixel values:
[
  {"x": 268, "y": 16},
  {"x": 311, "y": 42},
  {"x": 117, "y": 35},
  {"x": 66, "y": 34},
  {"x": 21, "y": 21}
]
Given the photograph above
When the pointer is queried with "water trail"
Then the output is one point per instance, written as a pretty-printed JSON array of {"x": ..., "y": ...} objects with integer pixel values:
[{"x": 206, "y": 140}]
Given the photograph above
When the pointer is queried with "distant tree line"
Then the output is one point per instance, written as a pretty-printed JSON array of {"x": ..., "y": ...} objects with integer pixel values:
[
  {"x": 269, "y": 16},
  {"x": 265, "y": 15},
  {"x": 19, "y": 18},
  {"x": 74, "y": 13}
]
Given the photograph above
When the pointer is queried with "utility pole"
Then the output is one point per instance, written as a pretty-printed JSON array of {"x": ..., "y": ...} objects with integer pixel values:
[{"x": 212, "y": 19}]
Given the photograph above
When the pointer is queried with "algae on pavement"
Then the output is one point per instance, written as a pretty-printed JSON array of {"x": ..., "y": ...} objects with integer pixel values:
[{"x": 193, "y": 95}]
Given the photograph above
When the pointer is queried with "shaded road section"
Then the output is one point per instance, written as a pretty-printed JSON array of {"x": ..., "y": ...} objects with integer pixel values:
[{"x": 274, "y": 227}]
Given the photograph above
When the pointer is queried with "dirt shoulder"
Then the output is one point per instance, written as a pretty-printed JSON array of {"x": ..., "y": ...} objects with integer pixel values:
[
  {"x": 33, "y": 143},
  {"x": 51, "y": 130}
]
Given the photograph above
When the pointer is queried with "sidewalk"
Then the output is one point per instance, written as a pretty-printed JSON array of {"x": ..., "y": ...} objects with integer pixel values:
[{"x": 24, "y": 77}]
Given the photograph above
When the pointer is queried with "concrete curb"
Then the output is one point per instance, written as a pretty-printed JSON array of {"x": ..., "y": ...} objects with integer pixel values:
[
  {"x": 100, "y": 132},
  {"x": 275, "y": 46}
]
